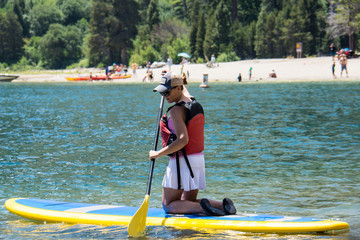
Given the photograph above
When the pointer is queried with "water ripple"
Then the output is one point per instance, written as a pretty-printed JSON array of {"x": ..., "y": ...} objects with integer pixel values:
[{"x": 288, "y": 149}]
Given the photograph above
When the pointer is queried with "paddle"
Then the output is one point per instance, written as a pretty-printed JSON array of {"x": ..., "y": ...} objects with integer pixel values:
[{"x": 136, "y": 227}]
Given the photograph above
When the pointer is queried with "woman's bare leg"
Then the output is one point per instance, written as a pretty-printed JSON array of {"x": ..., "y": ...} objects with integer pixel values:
[
  {"x": 184, "y": 202},
  {"x": 192, "y": 196},
  {"x": 173, "y": 202}
]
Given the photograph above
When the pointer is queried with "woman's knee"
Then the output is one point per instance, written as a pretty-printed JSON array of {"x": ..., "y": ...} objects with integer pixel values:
[{"x": 167, "y": 207}]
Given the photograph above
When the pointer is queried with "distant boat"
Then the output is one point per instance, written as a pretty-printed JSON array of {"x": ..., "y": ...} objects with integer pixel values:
[
  {"x": 7, "y": 77},
  {"x": 95, "y": 78}
]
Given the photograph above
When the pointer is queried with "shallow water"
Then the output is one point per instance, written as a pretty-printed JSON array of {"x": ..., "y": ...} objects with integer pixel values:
[{"x": 277, "y": 148}]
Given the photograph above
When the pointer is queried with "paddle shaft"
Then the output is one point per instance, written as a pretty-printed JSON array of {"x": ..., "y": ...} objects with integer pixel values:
[{"x": 156, "y": 138}]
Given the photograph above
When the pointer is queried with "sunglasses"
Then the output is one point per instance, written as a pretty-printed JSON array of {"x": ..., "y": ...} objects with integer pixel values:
[{"x": 167, "y": 93}]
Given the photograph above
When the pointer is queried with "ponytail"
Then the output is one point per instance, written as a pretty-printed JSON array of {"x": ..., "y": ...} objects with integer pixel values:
[{"x": 184, "y": 78}]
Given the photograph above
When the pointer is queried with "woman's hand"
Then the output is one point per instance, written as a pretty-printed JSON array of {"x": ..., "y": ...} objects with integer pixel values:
[
  {"x": 153, "y": 154},
  {"x": 178, "y": 118}
]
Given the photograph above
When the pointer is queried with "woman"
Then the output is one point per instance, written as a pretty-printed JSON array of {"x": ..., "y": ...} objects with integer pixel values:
[{"x": 182, "y": 133}]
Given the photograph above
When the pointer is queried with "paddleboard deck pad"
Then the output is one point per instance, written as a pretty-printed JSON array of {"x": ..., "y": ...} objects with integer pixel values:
[{"x": 84, "y": 213}]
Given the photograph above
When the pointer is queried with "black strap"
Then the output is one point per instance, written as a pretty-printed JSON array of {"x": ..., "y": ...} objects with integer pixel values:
[
  {"x": 178, "y": 166},
  {"x": 178, "y": 170},
  {"x": 187, "y": 162}
]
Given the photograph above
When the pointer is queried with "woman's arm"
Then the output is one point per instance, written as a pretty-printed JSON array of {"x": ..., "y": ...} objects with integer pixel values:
[{"x": 178, "y": 118}]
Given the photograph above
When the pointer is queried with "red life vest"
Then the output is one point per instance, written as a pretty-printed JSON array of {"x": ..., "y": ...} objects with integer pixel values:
[{"x": 195, "y": 122}]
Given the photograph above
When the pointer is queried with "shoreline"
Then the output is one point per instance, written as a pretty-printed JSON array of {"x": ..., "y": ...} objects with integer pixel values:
[{"x": 287, "y": 70}]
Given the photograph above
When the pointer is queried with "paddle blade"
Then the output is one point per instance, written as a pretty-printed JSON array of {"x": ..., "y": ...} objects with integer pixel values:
[{"x": 136, "y": 227}]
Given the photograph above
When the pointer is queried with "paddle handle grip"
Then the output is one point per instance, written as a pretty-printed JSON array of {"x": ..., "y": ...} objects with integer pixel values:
[{"x": 156, "y": 138}]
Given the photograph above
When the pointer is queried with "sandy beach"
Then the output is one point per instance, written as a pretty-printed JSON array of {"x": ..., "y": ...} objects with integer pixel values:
[{"x": 287, "y": 70}]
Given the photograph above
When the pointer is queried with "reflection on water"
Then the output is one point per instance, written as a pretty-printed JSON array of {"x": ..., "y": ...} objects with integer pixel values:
[{"x": 287, "y": 149}]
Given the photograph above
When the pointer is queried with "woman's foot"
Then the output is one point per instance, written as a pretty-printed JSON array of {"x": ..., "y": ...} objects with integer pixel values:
[
  {"x": 228, "y": 206},
  {"x": 208, "y": 209}
]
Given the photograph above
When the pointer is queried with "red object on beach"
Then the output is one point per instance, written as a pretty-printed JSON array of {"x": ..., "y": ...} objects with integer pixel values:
[{"x": 97, "y": 78}]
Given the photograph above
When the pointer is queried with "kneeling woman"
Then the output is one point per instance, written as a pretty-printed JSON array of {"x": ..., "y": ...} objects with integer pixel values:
[{"x": 182, "y": 132}]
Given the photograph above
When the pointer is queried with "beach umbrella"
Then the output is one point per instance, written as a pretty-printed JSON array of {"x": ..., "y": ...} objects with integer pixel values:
[{"x": 185, "y": 55}]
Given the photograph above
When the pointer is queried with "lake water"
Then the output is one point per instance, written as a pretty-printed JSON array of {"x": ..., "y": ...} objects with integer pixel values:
[{"x": 274, "y": 148}]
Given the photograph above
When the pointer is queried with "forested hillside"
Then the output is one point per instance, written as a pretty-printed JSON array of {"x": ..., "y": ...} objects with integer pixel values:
[{"x": 57, "y": 34}]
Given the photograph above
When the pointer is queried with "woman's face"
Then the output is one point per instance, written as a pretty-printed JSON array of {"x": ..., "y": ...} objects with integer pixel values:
[{"x": 172, "y": 95}]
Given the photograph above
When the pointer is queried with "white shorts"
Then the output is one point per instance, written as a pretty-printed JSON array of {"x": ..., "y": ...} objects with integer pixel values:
[{"x": 197, "y": 163}]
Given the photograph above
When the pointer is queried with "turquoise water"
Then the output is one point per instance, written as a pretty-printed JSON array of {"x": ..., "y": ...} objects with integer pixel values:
[{"x": 284, "y": 148}]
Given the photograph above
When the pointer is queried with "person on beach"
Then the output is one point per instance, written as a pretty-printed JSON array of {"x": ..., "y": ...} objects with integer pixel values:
[
  {"x": 169, "y": 62},
  {"x": 332, "y": 50},
  {"x": 118, "y": 69},
  {"x": 239, "y": 77},
  {"x": 111, "y": 69},
  {"x": 272, "y": 74},
  {"x": 149, "y": 75},
  {"x": 333, "y": 70},
  {"x": 182, "y": 133},
  {"x": 213, "y": 59},
  {"x": 343, "y": 63},
  {"x": 134, "y": 67},
  {"x": 338, "y": 53},
  {"x": 250, "y": 73}
]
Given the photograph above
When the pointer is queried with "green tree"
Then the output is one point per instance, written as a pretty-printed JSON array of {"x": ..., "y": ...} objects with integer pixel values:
[
  {"x": 344, "y": 19},
  {"x": 143, "y": 52},
  {"x": 167, "y": 30},
  {"x": 234, "y": 10},
  {"x": 194, "y": 27},
  {"x": 210, "y": 45},
  {"x": 314, "y": 12},
  {"x": 99, "y": 50},
  {"x": 74, "y": 10},
  {"x": 32, "y": 50},
  {"x": 211, "y": 6},
  {"x": 20, "y": 9},
  {"x": 244, "y": 39},
  {"x": 112, "y": 29},
  {"x": 3, "y": 3},
  {"x": 178, "y": 45},
  {"x": 278, "y": 31},
  {"x": 11, "y": 42},
  {"x": 261, "y": 38},
  {"x": 200, "y": 36},
  {"x": 271, "y": 5},
  {"x": 166, "y": 10},
  {"x": 248, "y": 11},
  {"x": 61, "y": 46},
  {"x": 278, "y": 44},
  {"x": 83, "y": 25},
  {"x": 125, "y": 29},
  {"x": 42, "y": 16},
  {"x": 152, "y": 15},
  {"x": 143, "y": 8},
  {"x": 223, "y": 23},
  {"x": 181, "y": 9},
  {"x": 294, "y": 30}
]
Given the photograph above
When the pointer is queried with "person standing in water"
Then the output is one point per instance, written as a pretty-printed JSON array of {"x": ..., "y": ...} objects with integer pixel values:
[{"x": 182, "y": 133}]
